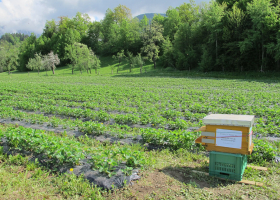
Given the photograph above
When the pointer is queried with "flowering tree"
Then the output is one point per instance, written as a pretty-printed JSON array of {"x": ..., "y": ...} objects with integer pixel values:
[{"x": 53, "y": 60}]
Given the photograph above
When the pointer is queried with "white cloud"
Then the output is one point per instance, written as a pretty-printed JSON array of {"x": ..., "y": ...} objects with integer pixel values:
[
  {"x": 31, "y": 15},
  {"x": 23, "y": 15},
  {"x": 95, "y": 16}
]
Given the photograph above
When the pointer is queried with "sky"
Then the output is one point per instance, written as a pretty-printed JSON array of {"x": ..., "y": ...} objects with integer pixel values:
[{"x": 31, "y": 15}]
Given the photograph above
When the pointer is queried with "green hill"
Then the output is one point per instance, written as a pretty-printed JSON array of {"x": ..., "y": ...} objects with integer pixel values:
[{"x": 149, "y": 15}]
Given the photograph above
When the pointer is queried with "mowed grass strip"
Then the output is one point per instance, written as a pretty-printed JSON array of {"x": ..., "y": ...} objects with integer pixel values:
[{"x": 21, "y": 179}]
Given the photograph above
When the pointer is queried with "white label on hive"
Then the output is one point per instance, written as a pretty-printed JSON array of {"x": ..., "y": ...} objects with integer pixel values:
[{"x": 229, "y": 138}]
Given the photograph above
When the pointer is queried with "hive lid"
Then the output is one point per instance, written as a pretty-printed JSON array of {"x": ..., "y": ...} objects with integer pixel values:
[{"x": 229, "y": 120}]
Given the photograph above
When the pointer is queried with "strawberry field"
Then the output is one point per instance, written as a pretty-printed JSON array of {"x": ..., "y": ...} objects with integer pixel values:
[{"x": 137, "y": 127}]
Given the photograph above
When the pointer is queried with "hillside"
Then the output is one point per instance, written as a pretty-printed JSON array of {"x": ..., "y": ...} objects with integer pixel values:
[{"x": 149, "y": 15}]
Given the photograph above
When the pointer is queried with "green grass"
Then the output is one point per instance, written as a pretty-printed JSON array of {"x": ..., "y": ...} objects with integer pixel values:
[
  {"x": 148, "y": 71},
  {"x": 104, "y": 70},
  {"x": 21, "y": 179}
]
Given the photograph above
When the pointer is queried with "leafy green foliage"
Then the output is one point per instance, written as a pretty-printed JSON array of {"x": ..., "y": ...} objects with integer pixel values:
[
  {"x": 79, "y": 55},
  {"x": 107, "y": 161},
  {"x": 152, "y": 38},
  {"x": 175, "y": 140},
  {"x": 57, "y": 150},
  {"x": 119, "y": 57},
  {"x": 223, "y": 35},
  {"x": 36, "y": 63},
  {"x": 131, "y": 60},
  {"x": 63, "y": 150},
  {"x": 263, "y": 152}
]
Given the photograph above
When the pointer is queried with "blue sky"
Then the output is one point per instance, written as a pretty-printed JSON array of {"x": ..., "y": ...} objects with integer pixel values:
[{"x": 31, "y": 15}]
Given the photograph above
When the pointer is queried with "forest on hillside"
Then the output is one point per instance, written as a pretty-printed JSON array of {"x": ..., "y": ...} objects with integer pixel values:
[{"x": 223, "y": 35}]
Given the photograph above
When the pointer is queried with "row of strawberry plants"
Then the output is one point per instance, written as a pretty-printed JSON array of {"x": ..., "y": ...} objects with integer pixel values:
[
  {"x": 221, "y": 97},
  {"x": 36, "y": 103},
  {"x": 217, "y": 104},
  {"x": 175, "y": 139},
  {"x": 103, "y": 116},
  {"x": 106, "y": 161},
  {"x": 264, "y": 126},
  {"x": 56, "y": 150},
  {"x": 267, "y": 126},
  {"x": 63, "y": 150},
  {"x": 257, "y": 108},
  {"x": 8, "y": 112}
]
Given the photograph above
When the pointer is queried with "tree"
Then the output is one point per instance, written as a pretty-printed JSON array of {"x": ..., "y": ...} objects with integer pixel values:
[
  {"x": 69, "y": 37},
  {"x": 134, "y": 36},
  {"x": 32, "y": 64},
  {"x": 168, "y": 53},
  {"x": 144, "y": 23},
  {"x": 234, "y": 26},
  {"x": 72, "y": 53},
  {"x": 46, "y": 63},
  {"x": 94, "y": 61},
  {"x": 11, "y": 61},
  {"x": 81, "y": 23},
  {"x": 122, "y": 12},
  {"x": 83, "y": 57},
  {"x": 53, "y": 60},
  {"x": 94, "y": 35},
  {"x": 159, "y": 19},
  {"x": 131, "y": 60},
  {"x": 274, "y": 49},
  {"x": 106, "y": 25},
  {"x": 206, "y": 59},
  {"x": 110, "y": 34},
  {"x": 151, "y": 41},
  {"x": 265, "y": 26},
  {"x": 2, "y": 59},
  {"x": 35, "y": 63},
  {"x": 13, "y": 38},
  {"x": 96, "y": 64},
  {"x": 26, "y": 51},
  {"x": 50, "y": 29},
  {"x": 172, "y": 23},
  {"x": 188, "y": 12},
  {"x": 119, "y": 57},
  {"x": 212, "y": 21},
  {"x": 124, "y": 39},
  {"x": 78, "y": 54},
  {"x": 186, "y": 48},
  {"x": 129, "y": 35},
  {"x": 140, "y": 61},
  {"x": 43, "y": 45},
  {"x": 241, "y": 4},
  {"x": 112, "y": 67}
]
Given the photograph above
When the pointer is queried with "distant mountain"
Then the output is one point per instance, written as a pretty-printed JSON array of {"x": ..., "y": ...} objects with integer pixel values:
[{"x": 149, "y": 16}]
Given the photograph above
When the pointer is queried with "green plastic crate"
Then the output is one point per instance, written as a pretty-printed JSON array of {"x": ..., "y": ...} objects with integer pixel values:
[{"x": 227, "y": 165}]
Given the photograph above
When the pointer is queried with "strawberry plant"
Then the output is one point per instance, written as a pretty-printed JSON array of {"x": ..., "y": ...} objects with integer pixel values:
[
  {"x": 57, "y": 150},
  {"x": 263, "y": 152}
]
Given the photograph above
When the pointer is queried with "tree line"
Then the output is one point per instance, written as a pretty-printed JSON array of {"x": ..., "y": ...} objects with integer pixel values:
[
  {"x": 223, "y": 35},
  {"x": 9, "y": 50}
]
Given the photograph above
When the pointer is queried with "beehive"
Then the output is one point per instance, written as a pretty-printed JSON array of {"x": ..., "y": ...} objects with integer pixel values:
[{"x": 227, "y": 133}]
